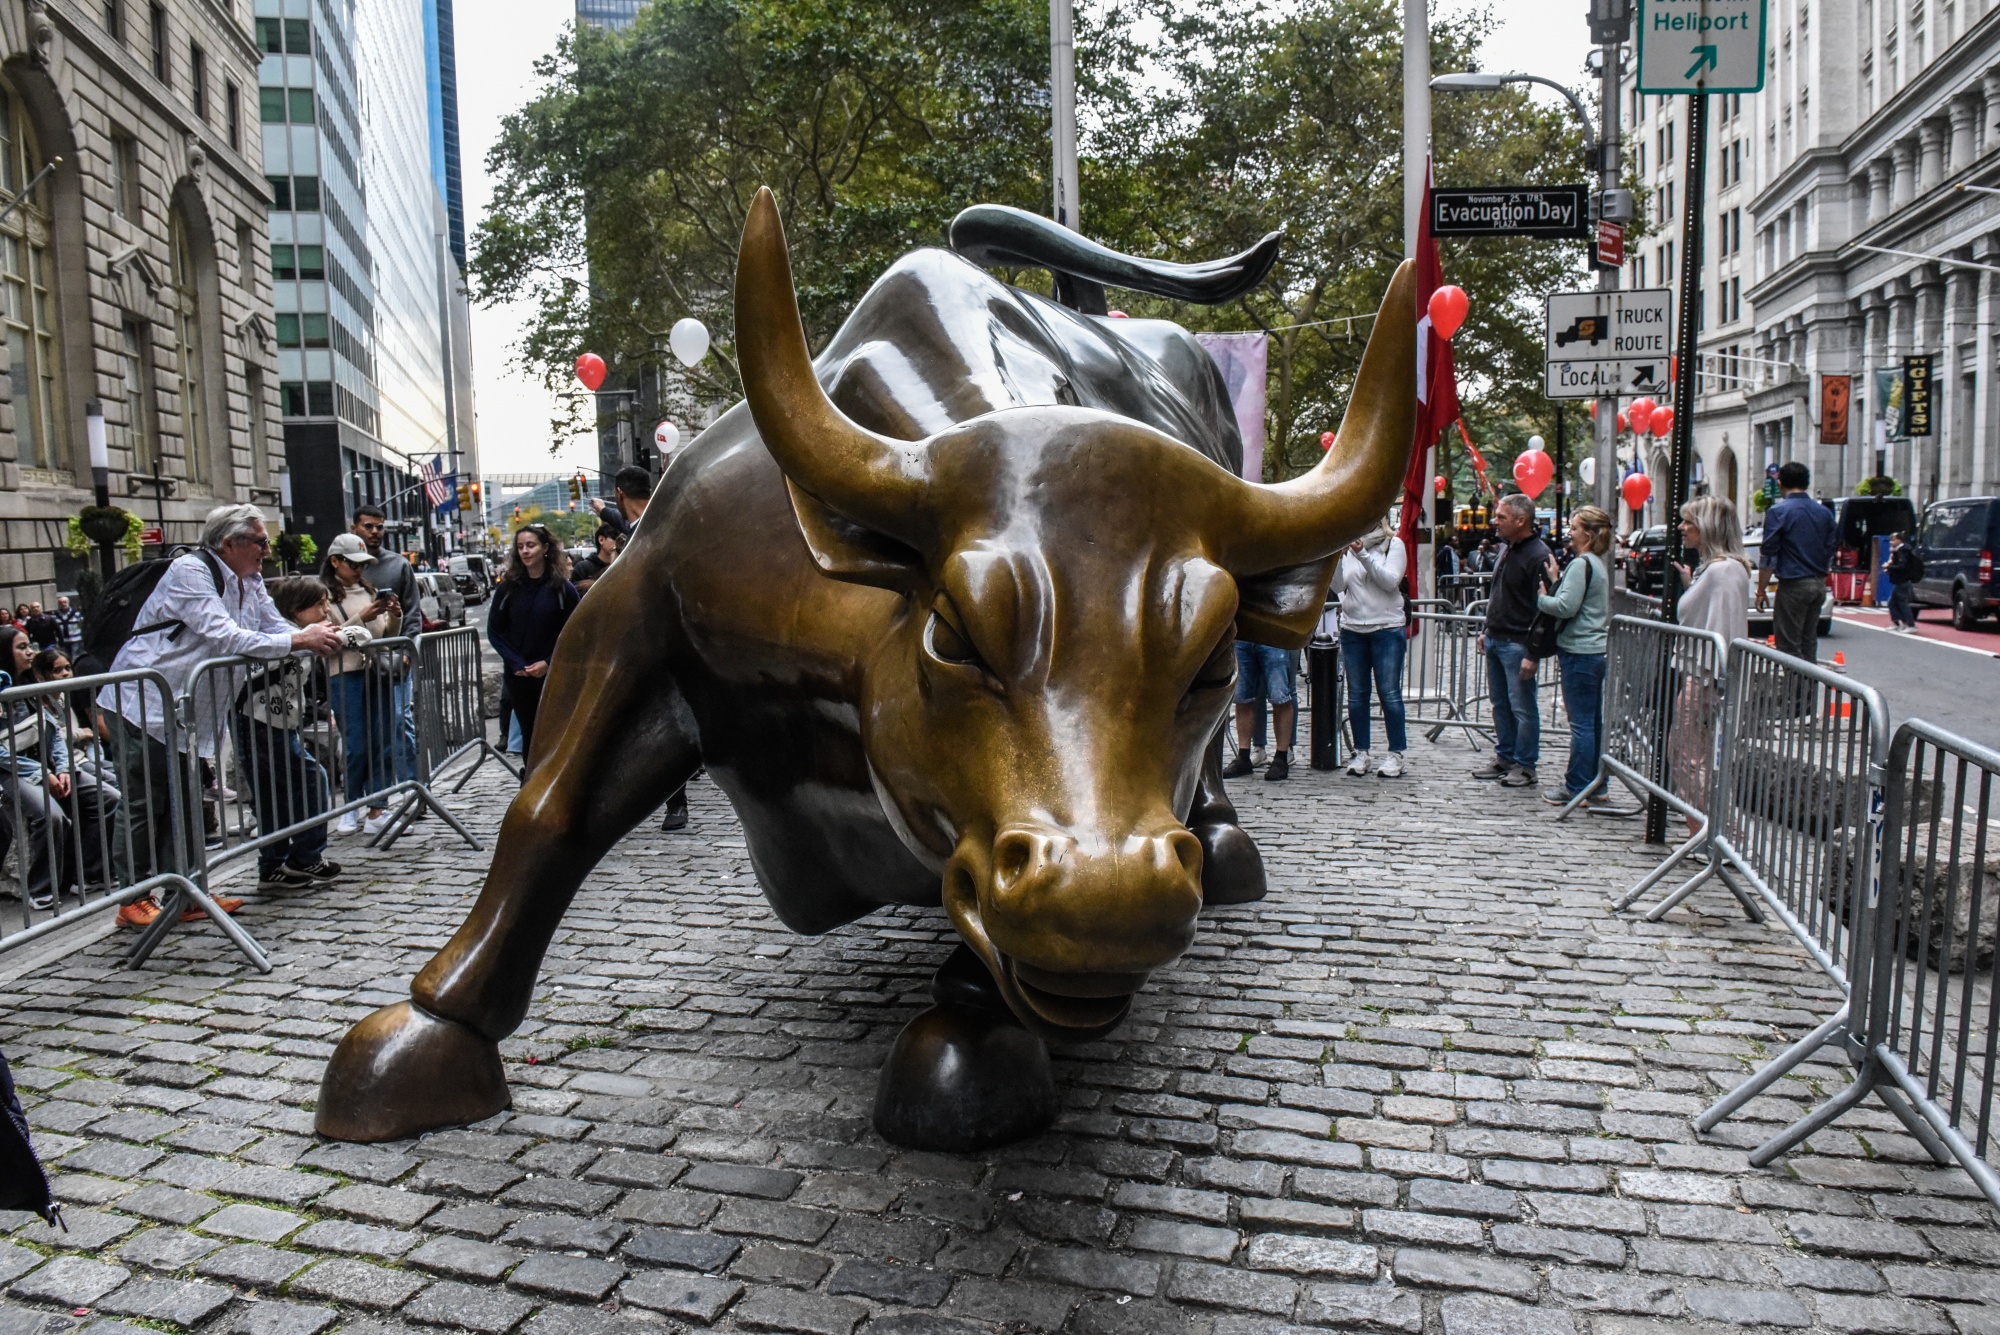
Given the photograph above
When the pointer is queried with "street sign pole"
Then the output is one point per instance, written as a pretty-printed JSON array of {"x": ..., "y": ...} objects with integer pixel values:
[{"x": 1611, "y": 24}]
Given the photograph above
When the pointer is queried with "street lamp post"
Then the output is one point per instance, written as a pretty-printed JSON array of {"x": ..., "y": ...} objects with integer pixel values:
[{"x": 100, "y": 477}]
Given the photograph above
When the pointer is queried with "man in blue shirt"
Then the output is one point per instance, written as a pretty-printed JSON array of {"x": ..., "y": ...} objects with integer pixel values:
[{"x": 1798, "y": 553}]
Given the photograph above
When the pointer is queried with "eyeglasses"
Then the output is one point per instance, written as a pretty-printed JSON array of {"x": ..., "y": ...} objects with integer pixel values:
[{"x": 262, "y": 544}]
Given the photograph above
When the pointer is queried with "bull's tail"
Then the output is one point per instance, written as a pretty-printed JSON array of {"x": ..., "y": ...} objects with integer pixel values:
[{"x": 1014, "y": 238}]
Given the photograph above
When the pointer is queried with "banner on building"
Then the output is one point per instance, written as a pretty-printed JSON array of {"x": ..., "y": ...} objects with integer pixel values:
[
  {"x": 1243, "y": 359},
  {"x": 1835, "y": 393},
  {"x": 1889, "y": 402},
  {"x": 1917, "y": 395}
]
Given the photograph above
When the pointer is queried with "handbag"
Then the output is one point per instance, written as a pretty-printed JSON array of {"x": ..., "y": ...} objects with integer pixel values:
[{"x": 1541, "y": 641}]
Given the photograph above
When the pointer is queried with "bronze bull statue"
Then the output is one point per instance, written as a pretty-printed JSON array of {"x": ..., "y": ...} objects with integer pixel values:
[{"x": 949, "y": 617}]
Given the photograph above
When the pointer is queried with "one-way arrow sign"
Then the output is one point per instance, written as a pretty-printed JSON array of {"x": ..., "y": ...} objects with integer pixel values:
[{"x": 1701, "y": 46}]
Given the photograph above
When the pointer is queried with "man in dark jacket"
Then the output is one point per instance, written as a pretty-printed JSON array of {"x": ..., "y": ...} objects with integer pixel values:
[
  {"x": 1797, "y": 551},
  {"x": 391, "y": 573},
  {"x": 1510, "y": 673}
]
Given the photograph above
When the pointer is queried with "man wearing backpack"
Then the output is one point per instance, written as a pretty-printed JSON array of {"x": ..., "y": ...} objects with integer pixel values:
[
  {"x": 1904, "y": 569},
  {"x": 205, "y": 604}
]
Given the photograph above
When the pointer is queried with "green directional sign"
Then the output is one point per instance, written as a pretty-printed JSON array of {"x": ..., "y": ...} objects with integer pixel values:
[{"x": 1701, "y": 46}]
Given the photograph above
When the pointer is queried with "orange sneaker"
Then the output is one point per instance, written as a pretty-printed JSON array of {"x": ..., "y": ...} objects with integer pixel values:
[
  {"x": 223, "y": 902},
  {"x": 138, "y": 914}
]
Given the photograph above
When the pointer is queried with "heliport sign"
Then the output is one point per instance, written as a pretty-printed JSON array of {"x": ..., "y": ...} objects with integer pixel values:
[
  {"x": 1701, "y": 46},
  {"x": 1553, "y": 212}
]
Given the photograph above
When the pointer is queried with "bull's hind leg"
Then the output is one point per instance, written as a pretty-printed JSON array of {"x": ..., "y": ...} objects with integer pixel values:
[
  {"x": 610, "y": 744},
  {"x": 965, "y": 1075},
  {"x": 1232, "y": 870}
]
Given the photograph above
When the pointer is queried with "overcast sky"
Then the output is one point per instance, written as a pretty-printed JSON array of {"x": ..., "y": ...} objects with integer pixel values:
[{"x": 498, "y": 44}]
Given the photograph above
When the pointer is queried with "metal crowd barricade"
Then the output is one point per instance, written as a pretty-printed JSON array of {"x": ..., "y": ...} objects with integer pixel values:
[
  {"x": 93, "y": 811},
  {"x": 283, "y": 746},
  {"x": 1461, "y": 591},
  {"x": 1665, "y": 691},
  {"x": 1626, "y": 603},
  {"x": 1799, "y": 823},
  {"x": 451, "y": 706},
  {"x": 1445, "y": 686}
]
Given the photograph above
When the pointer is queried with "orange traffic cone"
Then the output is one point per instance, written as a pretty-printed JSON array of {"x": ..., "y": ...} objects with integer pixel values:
[
  {"x": 1770, "y": 641},
  {"x": 1839, "y": 661}
]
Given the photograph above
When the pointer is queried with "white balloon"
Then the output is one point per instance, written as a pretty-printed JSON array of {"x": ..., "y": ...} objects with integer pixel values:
[
  {"x": 689, "y": 340},
  {"x": 1587, "y": 470},
  {"x": 1536, "y": 442},
  {"x": 666, "y": 435}
]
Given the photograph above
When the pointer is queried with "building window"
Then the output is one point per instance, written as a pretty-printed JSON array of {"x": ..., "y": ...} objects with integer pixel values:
[
  {"x": 271, "y": 36},
  {"x": 246, "y": 256},
  {"x": 125, "y": 176},
  {"x": 198, "y": 79},
  {"x": 260, "y": 451},
  {"x": 188, "y": 329},
  {"x": 114, "y": 19},
  {"x": 232, "y": 114},
  {"x": 298, "y": 37},
  {"x": 141, "y": 431},
  {"x": 301, "y": 100},
  {"x": 281, "y": 193},
  {"x": 271, "y": 106},
  {"x": 27, "y": 305},
  {"x": 159, "y": 28}
]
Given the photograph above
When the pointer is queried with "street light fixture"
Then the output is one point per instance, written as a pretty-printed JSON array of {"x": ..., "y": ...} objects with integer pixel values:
[{"x": 1491, "y": 83}]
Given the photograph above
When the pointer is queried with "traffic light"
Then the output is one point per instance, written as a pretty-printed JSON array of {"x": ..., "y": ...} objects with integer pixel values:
[
  {"x": 517, "y": 512},
  {"x": 575, "y": 490},
  {"x": 464, "y": 496},
  {"x": 475, "y": 493},
  {"x": 572, "y": 507}
]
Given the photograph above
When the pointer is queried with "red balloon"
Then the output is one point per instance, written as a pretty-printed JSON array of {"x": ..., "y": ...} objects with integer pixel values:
[
  {"x": 1447, "y": 310},
  {"x": 1532, "y": 470},
  {"x": 1623, "y": 425},
  {"x": 1326, "y": 439},
  {"x": 1593, "y": 409},
  {"x": 1644, "y": 406},
  {"x": 590, "y": 370},
  {"x": 1640, "y": 415},
  {"x": 1663, "y": 421},
  {"x": 1635, "y": 489},
  {"x": 1119, "y": 315},
  {"x": 1439, "y": 484}
]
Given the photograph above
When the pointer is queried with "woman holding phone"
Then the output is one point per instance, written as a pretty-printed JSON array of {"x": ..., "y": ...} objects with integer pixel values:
[{"x": 363, "y": 699}]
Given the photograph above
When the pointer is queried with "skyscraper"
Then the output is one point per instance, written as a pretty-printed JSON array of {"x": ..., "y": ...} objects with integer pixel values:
[
  {"x": 369, "y": 367},
  {"x": 607, "y": 13}
]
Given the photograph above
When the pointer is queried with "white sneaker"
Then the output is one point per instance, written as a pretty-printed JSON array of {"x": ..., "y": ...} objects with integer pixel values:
[
  {"x": 349, "y": 823},
  {"x": 1359, "y": 765},
  {"x": 1260, "y": 757},
  {"x": 375, "y": 824},
  {"x": 1392, "y": 768}
]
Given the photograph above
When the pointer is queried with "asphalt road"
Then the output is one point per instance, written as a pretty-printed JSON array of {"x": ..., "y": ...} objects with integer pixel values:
[{"x": 1954, "y": 687}]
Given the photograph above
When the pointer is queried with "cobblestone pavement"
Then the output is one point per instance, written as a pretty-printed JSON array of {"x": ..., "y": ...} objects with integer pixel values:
[{"x": 1429, "y": 1085}]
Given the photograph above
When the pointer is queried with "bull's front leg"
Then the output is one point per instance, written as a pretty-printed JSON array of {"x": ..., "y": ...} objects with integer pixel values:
[
  {"x": 1232, "y": 870},
  {"x": 610, "y": 745}
]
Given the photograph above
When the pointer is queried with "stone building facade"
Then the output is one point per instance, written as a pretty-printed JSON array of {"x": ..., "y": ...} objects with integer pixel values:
[
  {"x": 134, "y": 273},
  {"x": 1850, "y": 206}
]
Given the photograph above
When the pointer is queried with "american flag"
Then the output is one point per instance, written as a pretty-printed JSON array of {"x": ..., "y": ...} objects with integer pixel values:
[{"x": 437, "y": 487}]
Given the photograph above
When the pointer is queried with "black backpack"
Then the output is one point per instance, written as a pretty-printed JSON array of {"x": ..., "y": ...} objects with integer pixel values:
[
  {"x": 1914, "y": 570},
  {"x": 109, "y": 623}
]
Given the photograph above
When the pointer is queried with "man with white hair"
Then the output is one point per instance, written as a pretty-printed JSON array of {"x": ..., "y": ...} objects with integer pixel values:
[{"x": 210, "y": 604}]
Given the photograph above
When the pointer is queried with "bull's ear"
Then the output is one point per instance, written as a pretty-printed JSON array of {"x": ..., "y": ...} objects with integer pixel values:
[
  {"x": 845, "y": 550},
  {"x": 1281, "y": 607}
]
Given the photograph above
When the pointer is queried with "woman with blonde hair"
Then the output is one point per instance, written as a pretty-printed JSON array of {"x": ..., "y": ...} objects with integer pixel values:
[
  {"x": 1580, "y": 598},
  {"x": 1369, "y": 580},
  {"x": 1715, "y": 597}
]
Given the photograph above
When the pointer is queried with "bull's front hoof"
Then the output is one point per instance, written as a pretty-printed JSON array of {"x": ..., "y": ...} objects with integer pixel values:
[
  {"x": 402, "y": 1071},
  {"x": 1232, "y": 870},
  {"x": 963, "y": 1078}
]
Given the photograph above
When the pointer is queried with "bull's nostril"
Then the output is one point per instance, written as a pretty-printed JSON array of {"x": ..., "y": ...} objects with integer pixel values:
[
  {"x": 1187, "y": 850},
  {"x": 1013, "y": 853}
]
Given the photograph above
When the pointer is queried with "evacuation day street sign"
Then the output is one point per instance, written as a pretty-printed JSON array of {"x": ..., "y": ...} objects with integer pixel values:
[{"x": 1701, "y": 46}]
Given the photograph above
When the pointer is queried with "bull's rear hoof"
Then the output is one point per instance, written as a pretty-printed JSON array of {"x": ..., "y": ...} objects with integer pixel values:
[
  {"x": 1232, "y": 870},
  {"x": 402, "y": 1071},
  {"x": 961, "y": 1078}
]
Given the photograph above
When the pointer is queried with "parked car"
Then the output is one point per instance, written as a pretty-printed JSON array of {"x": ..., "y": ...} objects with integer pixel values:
[
  {"x": 1958, "y": 540},
  {"x": 473, "y": 574},
  {"x": 1646, "y": 562},
  {"x": 443, "y": 605},
  {"x": 1760, "y": 620}
]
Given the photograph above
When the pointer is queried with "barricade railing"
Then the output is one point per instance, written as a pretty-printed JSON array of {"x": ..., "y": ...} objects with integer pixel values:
[
  {"x": 451, "y": 705},
  {"x": 284, "y": 746},
  {"x": 94, "y": 811},
  {"x": 1445, "y": 685},
  {"x": 1626, "y": 603},
  {"x": 1461, "y": 591}
]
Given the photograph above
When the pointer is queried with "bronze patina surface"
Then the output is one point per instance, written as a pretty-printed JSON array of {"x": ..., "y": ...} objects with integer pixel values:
[{"x": 949, "y": 616}]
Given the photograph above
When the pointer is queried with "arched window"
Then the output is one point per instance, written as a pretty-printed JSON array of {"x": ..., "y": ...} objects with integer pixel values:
[
  {"x": 188, "y": 326},
  {"x": 27, "y": 301}
]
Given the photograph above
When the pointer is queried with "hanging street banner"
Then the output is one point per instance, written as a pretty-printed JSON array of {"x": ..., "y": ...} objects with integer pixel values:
[
  {"x": 1609, "y": 344},
  {"x": 1917, "y": 395},
  {"x": 1701, "y": 46},
  {"x": 1836, "y": 393},
  {"x": 1558, "y": 212}
]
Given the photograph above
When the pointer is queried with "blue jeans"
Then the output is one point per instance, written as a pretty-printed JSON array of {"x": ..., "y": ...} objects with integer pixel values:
[
  {"x": 365, "y": 705},
  {"x": 1376, "y": 653},
  {"x": 1583, "y": 697},
  {"x": 1517, "y": 714},
  {"x": 1264, "y": 673},
  {"x": 288, "y": 786},
  {"x": 1902, "y": 605}
]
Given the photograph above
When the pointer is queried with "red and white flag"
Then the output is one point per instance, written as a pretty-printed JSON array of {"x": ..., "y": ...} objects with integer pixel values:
[{"x": 1437, "y": 384}]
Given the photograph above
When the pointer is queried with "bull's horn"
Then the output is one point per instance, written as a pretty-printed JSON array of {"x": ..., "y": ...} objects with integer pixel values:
[
  {"x": 873, "y": 480},
  {"x": 1313, "y": 516}
]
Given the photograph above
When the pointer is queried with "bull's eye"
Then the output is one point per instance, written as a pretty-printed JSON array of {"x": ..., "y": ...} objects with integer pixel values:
[
  {"x": 1220, "y": 669},
  {"x": 948, "y": 643}
]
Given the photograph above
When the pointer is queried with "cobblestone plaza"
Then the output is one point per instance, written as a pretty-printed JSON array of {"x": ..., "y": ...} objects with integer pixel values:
[{"x": 1430, "y": 1084}]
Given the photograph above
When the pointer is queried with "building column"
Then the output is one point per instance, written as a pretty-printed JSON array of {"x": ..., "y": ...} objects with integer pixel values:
[
  {"x": 1902, "y": 179},
  {"x": 1979, "y": 478},
  {"x": 1962, "y": 112},
  {"x": 1930, "y": 155},
  {"x": 1879, "y": 174},
  {"x": 1959, "y": 286}
]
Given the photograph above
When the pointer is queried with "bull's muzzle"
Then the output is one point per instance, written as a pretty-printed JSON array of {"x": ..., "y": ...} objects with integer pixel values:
[{"x": 1071, "y": 929}]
